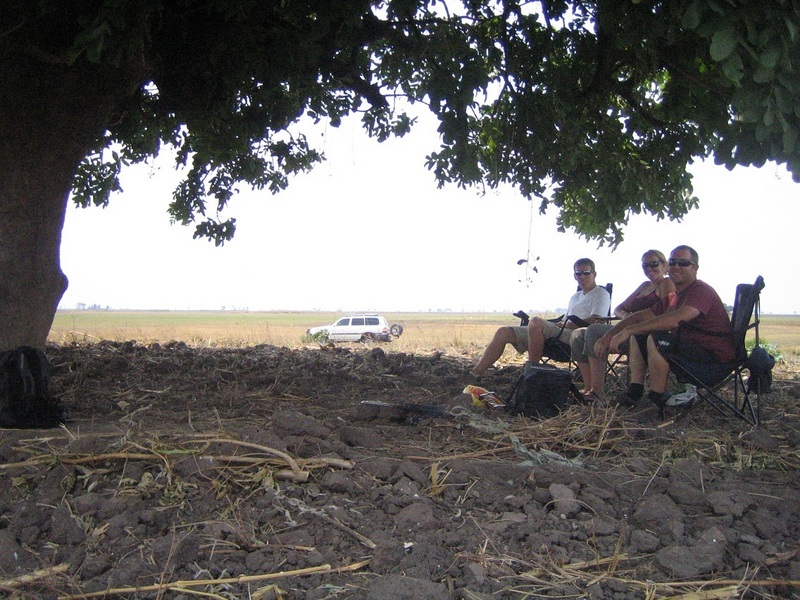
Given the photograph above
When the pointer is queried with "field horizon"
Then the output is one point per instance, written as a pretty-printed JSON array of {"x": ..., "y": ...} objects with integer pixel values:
[{"x": 449, "y": 331}]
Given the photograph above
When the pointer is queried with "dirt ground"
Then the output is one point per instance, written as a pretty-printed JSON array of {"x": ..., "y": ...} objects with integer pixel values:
[{"x": 275, "y": 473}]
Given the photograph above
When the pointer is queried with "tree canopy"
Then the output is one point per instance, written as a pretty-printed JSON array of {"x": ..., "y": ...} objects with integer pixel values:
[{"x": 594, "y": 107}]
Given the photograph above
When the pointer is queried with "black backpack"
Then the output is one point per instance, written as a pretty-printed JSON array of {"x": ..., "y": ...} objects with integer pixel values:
[
  {"x": 25, "y": 400},
  {"x": 542, "y": 391},
  {"x": 760, "y": 363}
]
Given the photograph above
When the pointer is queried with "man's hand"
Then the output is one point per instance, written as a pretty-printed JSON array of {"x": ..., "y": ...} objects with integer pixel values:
[{"x": 619, "y": 339}]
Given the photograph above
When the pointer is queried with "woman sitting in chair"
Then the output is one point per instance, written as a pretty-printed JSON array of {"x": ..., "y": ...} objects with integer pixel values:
[{"x": 592, "y": 366}]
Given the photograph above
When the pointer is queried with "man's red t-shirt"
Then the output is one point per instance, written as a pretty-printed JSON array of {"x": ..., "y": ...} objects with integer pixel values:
[{"x": 713, "y": 317}]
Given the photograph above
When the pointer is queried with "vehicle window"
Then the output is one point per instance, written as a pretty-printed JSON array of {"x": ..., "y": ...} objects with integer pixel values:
[
  {"x": 357, "y": 321},
  {"x": 373, "y": 321},
  {"x": 343, "y": 322}
]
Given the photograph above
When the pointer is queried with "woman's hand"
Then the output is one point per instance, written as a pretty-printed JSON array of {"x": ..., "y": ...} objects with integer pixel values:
[{"x": 601, "y": 345}]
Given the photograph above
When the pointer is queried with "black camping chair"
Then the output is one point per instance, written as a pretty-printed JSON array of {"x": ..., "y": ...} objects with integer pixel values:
[
  {"x": 617, "y": 372},
  {"x": 617, "y": 368},
  {"x": 557, "y": 349},
  {"x": 746, "y": 403}
]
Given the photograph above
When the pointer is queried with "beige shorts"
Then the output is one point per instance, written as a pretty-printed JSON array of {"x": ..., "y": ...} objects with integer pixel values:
[{"x": 550, "y": 330}]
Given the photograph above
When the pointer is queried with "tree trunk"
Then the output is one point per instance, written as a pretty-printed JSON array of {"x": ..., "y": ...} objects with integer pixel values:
[{"x": 50, "y": 113}]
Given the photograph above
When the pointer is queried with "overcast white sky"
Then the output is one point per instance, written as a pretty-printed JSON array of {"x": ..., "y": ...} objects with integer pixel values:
[{"x": 369, "y": 230}]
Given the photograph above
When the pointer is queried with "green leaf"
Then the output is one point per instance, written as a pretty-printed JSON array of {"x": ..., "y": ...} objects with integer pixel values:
[
  {"x": 691, "y": 18},
  {"x": 794, "y": 167},
  {"x": 785, "y": 101},
  {"x": 769, "y": 58},
  {"x": 723, "y": 43},
  {"x": 769, "y": 116},
  {"x": 789, "y": 139},
  {"x": 716, "y": 7},
  {"x": 733, "y": 68},
  {"x": 792, "y": 27},
  {"x": 763, "y": 75}
]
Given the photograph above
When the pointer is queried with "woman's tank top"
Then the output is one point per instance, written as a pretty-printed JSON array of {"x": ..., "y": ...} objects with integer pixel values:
[{"x": 641, "y": 302}]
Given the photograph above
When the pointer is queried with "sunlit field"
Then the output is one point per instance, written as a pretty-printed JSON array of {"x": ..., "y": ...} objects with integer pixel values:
[{"x": 461, "y": 333}]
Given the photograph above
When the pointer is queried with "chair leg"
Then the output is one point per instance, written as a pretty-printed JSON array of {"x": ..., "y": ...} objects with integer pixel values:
[
  {"x": 617, "y": 375},
  {"x": 712, "y": 395}
]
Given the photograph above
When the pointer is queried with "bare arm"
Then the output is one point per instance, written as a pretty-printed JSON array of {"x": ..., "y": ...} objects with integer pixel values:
[
  {"x": 664, "y": 322},
  {"x": 619, "y": 311},
  {"x": 602, "y": 345},
  {"x": 665, "y": 288}
]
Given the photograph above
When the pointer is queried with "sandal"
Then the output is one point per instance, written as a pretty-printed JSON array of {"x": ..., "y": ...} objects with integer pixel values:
[{"x": 593, "y": 397}]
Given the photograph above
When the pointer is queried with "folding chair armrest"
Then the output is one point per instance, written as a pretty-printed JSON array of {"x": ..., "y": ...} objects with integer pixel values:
[
  {"x": 607, "y": 320},
  {"x": 578, "y": 321},
  {"x": 523, "y": 317}
]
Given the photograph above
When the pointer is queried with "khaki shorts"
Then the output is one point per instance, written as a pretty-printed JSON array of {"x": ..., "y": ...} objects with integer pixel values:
[
  {"x": 584, "y": 340},
  {"x": 550, "y": 330}
]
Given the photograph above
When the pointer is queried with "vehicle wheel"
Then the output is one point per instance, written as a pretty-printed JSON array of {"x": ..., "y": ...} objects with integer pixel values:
[
  {"x": 396, "y": 330},
  {"x": 368, "y": 337}
]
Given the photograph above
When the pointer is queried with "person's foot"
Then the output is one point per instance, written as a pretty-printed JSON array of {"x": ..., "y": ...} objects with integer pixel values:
[
  {"x": 634, "y": 393},
  {"x": 623, "y": 401},
  {"x": 469, "y": 377},
  {"x": 659, "y": 399},
  {"x": 594, "y": 398}
]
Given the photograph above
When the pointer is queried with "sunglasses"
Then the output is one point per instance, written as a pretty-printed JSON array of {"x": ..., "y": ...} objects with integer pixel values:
[
  {"x": 584, "y": 273},
  {"x": 681, "y": 262},
  {"x": 653, "y": 264}
]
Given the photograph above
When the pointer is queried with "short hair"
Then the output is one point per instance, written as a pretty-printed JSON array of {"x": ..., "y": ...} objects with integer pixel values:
[
  {"x": 657, "y": 253},
  {"x": 584, "y": 261},
  {"x": 691, "y": 251}
]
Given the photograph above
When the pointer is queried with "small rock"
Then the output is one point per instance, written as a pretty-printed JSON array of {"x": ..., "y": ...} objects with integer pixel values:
[{"x": 564, "y": 502}]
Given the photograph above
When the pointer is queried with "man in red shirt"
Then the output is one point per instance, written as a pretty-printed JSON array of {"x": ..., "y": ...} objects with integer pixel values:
[{"x": 694, "y": 302}]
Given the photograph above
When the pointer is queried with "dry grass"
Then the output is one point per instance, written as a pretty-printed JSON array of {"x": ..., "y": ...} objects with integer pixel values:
[
  {"x": 456, "y": 333},
  {"x": 422, "y": 331}
]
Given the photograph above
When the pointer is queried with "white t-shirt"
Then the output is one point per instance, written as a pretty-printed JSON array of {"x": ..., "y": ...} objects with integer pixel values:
[{"x": 596, "y": 302}]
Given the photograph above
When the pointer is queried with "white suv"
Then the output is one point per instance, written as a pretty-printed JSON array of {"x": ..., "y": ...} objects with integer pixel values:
[{"x": 359, "y": 328}]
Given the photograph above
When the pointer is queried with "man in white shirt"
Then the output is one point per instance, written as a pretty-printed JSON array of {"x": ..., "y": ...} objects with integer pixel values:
[{"x": 588, "y": 304}]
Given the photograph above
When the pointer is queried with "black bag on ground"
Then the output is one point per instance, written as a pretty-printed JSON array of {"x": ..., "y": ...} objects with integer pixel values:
[
  {"x": 760, "y": 363},
  {"x": 25, "y": 400},
  {"x": 542, "y": 391}
]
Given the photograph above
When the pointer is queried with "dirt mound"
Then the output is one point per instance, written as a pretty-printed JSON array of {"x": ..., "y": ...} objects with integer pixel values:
[{"x": 362, "y": 473}]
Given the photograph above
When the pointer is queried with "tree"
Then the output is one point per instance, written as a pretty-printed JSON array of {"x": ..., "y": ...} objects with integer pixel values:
[{"x": 596, "y": 107}]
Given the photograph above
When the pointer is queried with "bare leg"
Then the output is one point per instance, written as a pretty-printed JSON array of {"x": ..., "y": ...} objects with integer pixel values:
[
  {"x": 659, "y": 367},
  {"x": 536, "y": 339},
  {"x": 495, "y": 349},
  {"x": 598, "y": 375},
  {"x": 636, "y": 362},
  {"x": 586, "y": 375}
]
